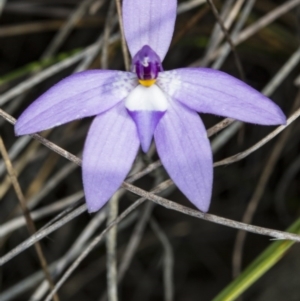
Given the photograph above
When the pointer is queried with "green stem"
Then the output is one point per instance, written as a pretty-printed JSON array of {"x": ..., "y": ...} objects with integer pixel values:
[
  {"x": 258, "y": 267},
  {"x": 36, "y": 66}
]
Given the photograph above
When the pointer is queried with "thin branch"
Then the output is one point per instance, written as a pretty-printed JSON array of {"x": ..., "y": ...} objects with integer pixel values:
[
  {"x": 42, "y": 26},
  {"x": 51, "y": 183},
  {"x": 97, "y": 239},
  {"x": 173, "y": 206},
  {"x": 282, "y": 74},
  {"x": 266, "y": 20},
  {"x": 107, "y": 31},
  {"x": 268, "y": 90},
  {"x": 219, "y": 141},
  {"x": 96, "y": 6},
  {"x": 258, "y": 193},
  {"x": 2, "y": 3},
  {"x": 45, "y": 141},
  {"x": 135, "y": 239},
  {"x": 226, "y": 161},
  {"x": 163, "y": 202},
  {"x": 219, "y": 126},
  {"x": 228, "y": 38},
  {"x": 188, "y": 5},
  {"x": 216, "y": 35},
  {"x": 30, "y": 224},
  {"x": 21, "y": 7},
  {"x": 210, "y": 217},
  {"x": 73, "y": 251},
  {"x": 124, "y": 47},
  {"x": 133, "y": 243},
  {"x": 127, "y": 186},
  {"x": 21, "y": 163},
  {"x": 91, "y": 246},
  {"x": 36, "y": 79},
  {"x": 168, "y": 265},
  {"x": 87, "y": 61},
  {"x": 46, "y": 229},
  {"x": 38, "y": 214},
  {"x": 15, "y": 150},
  {"x": 236, "y": 30},
  {"x": 258, "y": 25},
  {"x": 190, "y": 24},
  {"x": 151, "y": 167},
  {"x": 77, "y": 161},
  {"x": 259, "y": 144},
  {"x": 66, "y": 29},
  {"x": 41, "y": 234},
  {"x": 111, "y": 247},
  {"x": 281, "y": 190}
]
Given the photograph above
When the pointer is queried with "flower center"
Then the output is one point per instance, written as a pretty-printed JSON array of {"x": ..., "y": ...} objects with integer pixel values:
[
  {"x": 146, "y": 64},
  {"x": 147, "y": 82},
  {"x": 146, "y": 106}
]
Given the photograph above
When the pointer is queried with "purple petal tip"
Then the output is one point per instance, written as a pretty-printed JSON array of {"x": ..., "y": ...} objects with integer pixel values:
[
  {"x": 18, "y": 132},
  {"x": 146, "y": 122},
  {"x": 149, "y": 22},
  {"x": 282, "y": 118},
  {"x": 92, "y": 209},
  {"x": 20, "y": 127}
]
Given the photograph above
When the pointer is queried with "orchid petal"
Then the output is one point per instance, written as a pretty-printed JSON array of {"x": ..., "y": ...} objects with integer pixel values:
[
  {"x": 146, "y": 122},
  {"x": 185, "y": 152},
  {"x": 146, "y": 99},
  {"x": 146, "y": 105},
  {"x": 79, "y": 95},
  {"x": 215, "y": 92},
  {"x": 110, "y": 149},
  {"x": 149, "y": 22}
]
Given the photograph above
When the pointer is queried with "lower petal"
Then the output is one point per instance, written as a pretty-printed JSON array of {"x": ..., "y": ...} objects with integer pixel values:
[
  {"x": 109, "y": 152},
  {"x": 185, "y": 152}
]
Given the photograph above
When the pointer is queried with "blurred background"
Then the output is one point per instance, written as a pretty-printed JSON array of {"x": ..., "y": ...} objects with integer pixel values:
[{"x": 174, "y": 256}]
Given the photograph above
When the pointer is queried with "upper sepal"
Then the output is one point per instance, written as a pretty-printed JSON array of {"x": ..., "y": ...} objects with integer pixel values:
[
  {"x": 149, "y": 22},
  {"x": 80, "y": 95}
]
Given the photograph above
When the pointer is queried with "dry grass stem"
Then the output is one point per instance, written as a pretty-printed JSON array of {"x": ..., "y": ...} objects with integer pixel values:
[
  {"x": 124, "y": 46},
  {"x": 258, "y": 193},
  {"x": 111, "y": 248},
  {"x": 38, "y": 214},
  {"x": 168, "y": 261},
  {"x": 259, "y": 144},
  {"x": 133, "y": 248},
  {"x": 29, "y": 222},
  {"x": 228, "y": 38},
  {"x": 91, "y": 246},
  {"x": 66, "y": 29}
]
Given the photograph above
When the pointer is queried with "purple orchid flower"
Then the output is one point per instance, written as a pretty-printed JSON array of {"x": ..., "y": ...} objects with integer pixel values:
[{"x": 132, "y": 107}]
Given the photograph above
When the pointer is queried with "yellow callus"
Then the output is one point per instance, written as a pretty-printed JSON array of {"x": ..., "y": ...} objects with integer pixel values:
[{"x": 147, "y": 82}]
